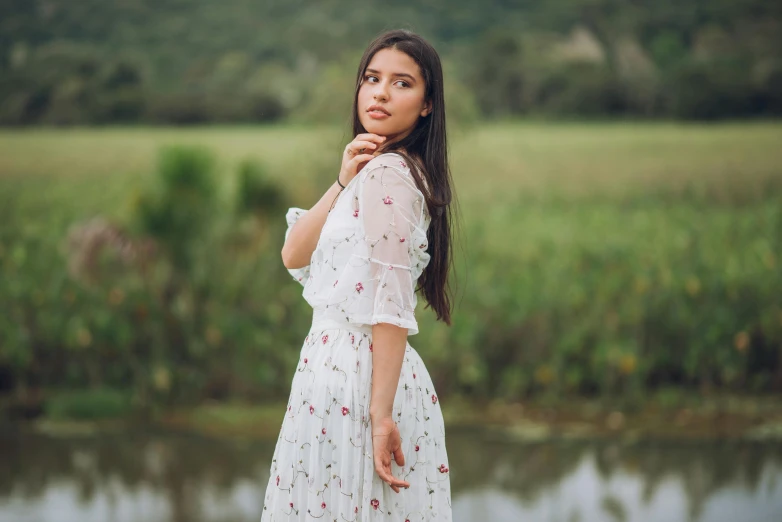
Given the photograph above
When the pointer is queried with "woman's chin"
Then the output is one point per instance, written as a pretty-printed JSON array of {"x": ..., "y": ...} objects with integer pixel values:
[{"x": 375, "y": 127}]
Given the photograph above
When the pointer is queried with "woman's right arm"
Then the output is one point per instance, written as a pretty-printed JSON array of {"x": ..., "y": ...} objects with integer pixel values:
[{"x": 303, "y": 237}]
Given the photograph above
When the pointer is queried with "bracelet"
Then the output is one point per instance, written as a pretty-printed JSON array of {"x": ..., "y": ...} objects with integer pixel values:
[{"x": 340, "y": 183}]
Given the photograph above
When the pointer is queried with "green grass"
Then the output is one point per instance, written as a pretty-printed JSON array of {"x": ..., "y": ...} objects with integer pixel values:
[
  {"x": 495, "y": 166},
  {"x": 571, "y": 158},
  {"x": 88, "y": 405},
  {"x": 610, "y": 256}
]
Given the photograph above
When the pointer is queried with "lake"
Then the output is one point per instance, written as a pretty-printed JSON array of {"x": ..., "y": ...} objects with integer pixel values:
[{"x": 161, "y": 476}]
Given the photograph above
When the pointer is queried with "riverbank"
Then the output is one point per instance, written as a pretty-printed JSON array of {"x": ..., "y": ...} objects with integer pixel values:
[{"x": 667, "y": 415}]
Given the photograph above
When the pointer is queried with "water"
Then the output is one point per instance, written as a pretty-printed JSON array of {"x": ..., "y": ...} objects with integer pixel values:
[{"x": 168, "y": 477}]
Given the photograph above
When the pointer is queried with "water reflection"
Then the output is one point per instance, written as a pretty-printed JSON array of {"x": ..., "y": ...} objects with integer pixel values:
[{"x": 133, "y": 477}]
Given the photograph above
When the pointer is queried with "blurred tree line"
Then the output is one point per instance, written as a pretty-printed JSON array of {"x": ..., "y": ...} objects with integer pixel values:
[{"x": 196, "y": 61}]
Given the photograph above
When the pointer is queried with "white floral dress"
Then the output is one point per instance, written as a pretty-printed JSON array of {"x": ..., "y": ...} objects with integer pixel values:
[{"x": 371, "y": 250}]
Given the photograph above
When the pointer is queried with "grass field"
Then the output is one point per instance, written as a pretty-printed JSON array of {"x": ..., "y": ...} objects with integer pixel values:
[
  {"x": 593, "y": 256},
  {"x": 494, "y": 166},
  {"x": 486, "y": 158}
]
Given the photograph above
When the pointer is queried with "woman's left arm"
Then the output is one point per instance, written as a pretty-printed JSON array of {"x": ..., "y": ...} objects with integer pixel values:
[
  {"x": 388, "y": 351},
  {"x": 390, "y": 207},
  {"x": 386, "y": 367}
]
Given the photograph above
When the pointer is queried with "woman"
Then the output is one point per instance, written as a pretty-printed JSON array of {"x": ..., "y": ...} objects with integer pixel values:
[{"x": 363, "y": 438}]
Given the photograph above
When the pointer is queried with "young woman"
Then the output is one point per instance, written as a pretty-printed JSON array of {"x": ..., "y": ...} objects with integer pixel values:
[{"x": 363, "y": 437}]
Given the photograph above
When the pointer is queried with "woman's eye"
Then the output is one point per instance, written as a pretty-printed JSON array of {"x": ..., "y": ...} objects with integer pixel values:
[{"x": 370, "y": 77}]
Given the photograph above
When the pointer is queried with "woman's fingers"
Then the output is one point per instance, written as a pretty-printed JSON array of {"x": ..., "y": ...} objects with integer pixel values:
[
  {"x": 399, "y": 457},
  {"x": 386, "y": 476},
  {"x": 368, "y": 136},
  {"x": 355, "y": 147},
  {"x": 383, "y": 470},
  {"x": 361, "y": 158},
  {"x": 391, "y": 482},
  {"x": 355, "y": 155},
  {"x": 388, "y": 447}
]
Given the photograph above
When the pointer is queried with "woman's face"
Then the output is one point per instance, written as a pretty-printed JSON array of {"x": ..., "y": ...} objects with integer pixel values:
[{"x": 393, "y": 84}]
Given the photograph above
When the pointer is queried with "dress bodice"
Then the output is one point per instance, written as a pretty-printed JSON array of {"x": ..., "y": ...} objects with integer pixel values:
[{"x": 372, "y": 248}]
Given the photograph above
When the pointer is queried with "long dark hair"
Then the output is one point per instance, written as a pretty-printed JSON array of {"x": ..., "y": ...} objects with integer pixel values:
[{"x": 426, "y": 150}]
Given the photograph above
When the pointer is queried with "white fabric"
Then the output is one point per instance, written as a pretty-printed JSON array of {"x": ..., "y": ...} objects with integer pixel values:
[
  {"x": 371, "y": 250},
  {"x": 323, "y": 467}
]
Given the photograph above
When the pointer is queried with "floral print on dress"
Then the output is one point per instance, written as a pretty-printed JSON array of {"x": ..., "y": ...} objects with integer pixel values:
[
  {"x": 368, "y": 239},
  {"x": 371, "y": 251},
  {"x": 324, "y": 450}
]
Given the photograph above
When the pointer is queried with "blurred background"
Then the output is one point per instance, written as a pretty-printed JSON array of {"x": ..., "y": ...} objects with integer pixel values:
[{"x": 616, "y": 352}]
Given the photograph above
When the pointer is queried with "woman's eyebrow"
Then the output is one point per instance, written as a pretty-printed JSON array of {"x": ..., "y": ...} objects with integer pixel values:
[{"x": 392, "y": 74}]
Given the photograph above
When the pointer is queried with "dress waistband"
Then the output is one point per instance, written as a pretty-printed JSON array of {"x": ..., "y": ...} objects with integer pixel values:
[{"x": 321, "y": 322}]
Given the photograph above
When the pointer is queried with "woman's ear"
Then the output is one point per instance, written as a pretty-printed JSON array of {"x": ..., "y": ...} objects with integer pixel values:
[{"x": 427, "y": 109}]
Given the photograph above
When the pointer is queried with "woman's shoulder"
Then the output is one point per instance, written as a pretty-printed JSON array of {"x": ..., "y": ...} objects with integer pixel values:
[
  {"x": 398, "y": 164},
  {"x": 389, "y": 159}
]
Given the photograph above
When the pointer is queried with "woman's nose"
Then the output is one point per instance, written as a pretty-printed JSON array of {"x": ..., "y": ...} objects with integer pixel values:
[{"x": 381, "y": 93}]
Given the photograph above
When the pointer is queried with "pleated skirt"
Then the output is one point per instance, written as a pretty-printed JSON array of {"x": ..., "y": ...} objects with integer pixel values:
[{"x": 323, "y": 466}]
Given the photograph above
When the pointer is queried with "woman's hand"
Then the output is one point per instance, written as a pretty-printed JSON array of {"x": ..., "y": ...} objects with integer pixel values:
[
  {"x": 386, "y": 442},
  {"x": 354, "y": 156}
]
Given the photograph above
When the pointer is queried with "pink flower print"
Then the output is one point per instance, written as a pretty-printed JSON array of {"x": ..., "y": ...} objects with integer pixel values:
[
  {"x": 355, "y": 510},
  {"x": 401, "y": 240},
  {"x": 388, "y": 200},
  {"x": 325, "y": 339},
  {"x": 413, "y": 376},
  {"x": 291, "y": 504},
  {"x": 278, "y": 480},
  {"x": 345, "y": 410},
  {"x": 417, "y": 447},
  {"x": 305, "y": 360},
  {"x": 289, "y": 408},
  {"x": 375, "y": 503},
  {"x": 359, "y": 287},
  {"x": 390, "y": 267},
  {"x": 312, "y": 409},
  {"x": 422, "y": 245},
  {"x": 323, "y": 431},
  {"x": 404, "y": 165},
  {"x": 355, "y": 213},
  {"x": 370, "y": 347},
  {"x": 335, "y": 283},
  {"x": 322, "y": 505},
  {"x": 443, "y": 469},
  {"x": 352, "y": 338},
  {"x": 434, "y": 399},
  {"x": 300, "y": 279}
]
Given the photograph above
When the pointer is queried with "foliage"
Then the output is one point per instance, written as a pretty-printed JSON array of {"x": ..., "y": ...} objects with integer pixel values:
[
  {"x": 88, "y": 404},
  {"x": 246, "y": 61},
  {"x": 257, "y": 193},
  {"x": 598, "y": 259}
]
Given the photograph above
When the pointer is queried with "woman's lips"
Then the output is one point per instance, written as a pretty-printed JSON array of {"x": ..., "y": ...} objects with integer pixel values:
[{"x": 378, "y": 115}]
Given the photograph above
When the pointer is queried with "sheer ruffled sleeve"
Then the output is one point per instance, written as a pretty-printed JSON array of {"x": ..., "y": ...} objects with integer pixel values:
[
  {"x": 299, "y": 274},
  {"x": 391, "y": 212}
]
